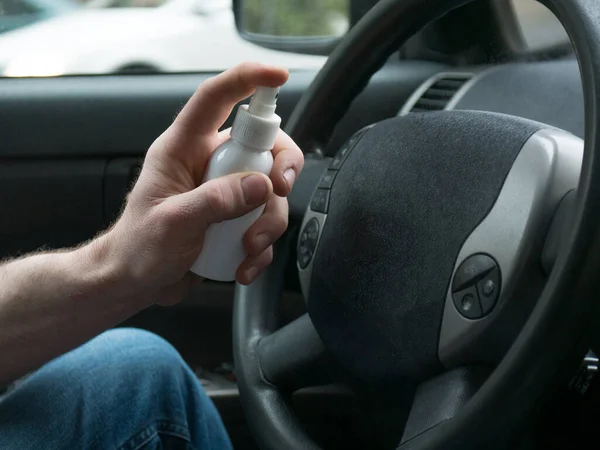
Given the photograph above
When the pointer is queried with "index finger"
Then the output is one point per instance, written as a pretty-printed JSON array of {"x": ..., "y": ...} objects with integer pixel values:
[{"x": 211, "y": 104}]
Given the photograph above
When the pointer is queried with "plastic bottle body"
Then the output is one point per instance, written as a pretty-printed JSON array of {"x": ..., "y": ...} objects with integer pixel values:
[{"x": 223, "y": 252}]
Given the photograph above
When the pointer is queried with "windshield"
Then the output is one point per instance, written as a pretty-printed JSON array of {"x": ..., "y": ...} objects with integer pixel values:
[{"x": 539, "y": 26}]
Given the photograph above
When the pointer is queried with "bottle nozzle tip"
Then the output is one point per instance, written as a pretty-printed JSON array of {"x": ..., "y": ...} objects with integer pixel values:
[
  {"x": 267, "y": 94},
  {"x": 264, "y": 101}
]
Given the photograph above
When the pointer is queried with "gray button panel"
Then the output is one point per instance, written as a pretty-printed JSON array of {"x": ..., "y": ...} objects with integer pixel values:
[{"x": 546, "y": 169}]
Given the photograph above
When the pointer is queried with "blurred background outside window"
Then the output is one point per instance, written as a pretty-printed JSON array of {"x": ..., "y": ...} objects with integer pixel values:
[{"x": 70, "y": 37}]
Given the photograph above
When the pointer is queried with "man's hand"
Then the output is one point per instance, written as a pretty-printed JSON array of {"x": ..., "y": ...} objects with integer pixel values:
[
  {"x": 51, "y": 302},
  {"x": 161, "y": 231}
]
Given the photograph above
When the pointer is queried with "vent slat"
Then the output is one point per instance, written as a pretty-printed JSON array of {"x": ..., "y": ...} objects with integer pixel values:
[
  {"x": 440, "y": 93},
  {"x": 450, "y": 84},
  {"x": 431, "y": 104}
]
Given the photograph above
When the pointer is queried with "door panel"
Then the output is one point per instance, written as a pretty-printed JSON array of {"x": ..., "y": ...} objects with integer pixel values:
[
  {"x": 100, "y": 116},
  {"x": 49, "y": 203},
  {"x": 109, "y": 116}
]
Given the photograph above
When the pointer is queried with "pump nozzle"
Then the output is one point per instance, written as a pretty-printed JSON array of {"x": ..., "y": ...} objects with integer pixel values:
[
  {"x": 264, "y": 101},
  {"x": 256, "y": 125}
]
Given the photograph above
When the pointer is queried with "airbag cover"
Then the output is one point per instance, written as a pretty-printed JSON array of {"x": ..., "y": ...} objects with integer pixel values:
[{"x": 402, "y": 205}]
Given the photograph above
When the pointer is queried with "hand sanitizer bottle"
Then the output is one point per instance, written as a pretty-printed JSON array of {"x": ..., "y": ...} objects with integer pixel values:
[{"x": 253, "y": 135}]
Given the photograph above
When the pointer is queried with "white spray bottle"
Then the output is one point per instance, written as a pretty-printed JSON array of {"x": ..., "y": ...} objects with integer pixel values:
[{"x": 253, "y": 135}]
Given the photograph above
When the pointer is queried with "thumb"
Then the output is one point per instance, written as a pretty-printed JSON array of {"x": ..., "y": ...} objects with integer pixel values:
[{"x": 227, "y": 197}]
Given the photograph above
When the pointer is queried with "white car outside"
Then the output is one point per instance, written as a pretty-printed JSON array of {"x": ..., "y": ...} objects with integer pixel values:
[{"x": 178, "y": 36}]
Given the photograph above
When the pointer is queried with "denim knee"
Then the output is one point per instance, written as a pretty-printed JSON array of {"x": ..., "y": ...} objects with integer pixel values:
[
  {"x": 128, "y": 353},
  {"x": 121, "y": 385}
]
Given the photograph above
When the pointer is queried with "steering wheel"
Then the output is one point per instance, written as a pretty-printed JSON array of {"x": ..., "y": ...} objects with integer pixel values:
[{"x": 454, "y": 252}]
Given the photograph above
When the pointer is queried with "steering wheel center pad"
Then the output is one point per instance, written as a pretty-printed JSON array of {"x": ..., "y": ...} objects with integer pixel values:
[{"x": 402, "y": 204}]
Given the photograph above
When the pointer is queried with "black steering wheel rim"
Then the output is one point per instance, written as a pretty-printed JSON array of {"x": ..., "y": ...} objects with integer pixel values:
[{"x": 564, "y": 314}]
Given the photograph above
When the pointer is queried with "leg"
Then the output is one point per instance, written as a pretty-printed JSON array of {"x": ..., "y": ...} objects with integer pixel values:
[{"x": 126, "y": 389}]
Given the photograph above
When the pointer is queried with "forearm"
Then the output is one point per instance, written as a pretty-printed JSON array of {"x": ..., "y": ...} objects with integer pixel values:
[{"x": 53, "y": 302}]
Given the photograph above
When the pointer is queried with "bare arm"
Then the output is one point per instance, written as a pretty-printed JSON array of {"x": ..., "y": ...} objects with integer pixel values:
[{"x": 53, "y": 302}]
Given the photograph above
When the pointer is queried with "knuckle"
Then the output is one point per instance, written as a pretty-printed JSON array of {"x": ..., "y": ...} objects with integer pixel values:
[
  {"x": 207, "y": 85},
  {"x": 208, "y": 89},
  {"x": 279, "y": 223},
  {"x": 267, "y": 257},
  {"x": 215, "y": 198},
  {"x": 243, "y": 69},
  {"x": 220, "y": 199},
  {"x": 295, "y": 155}
]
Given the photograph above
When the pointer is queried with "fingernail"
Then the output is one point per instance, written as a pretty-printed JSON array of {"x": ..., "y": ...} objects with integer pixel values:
[
  {"x": 290, "y": 177},
  {"x": 262, "y": 241},
  {"x": 255, "y": 189}
]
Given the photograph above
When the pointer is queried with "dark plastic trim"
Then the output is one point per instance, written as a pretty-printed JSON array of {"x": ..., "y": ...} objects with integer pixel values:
[
  {"x": 121, "y": 115},
  {"x": 101, "y": 116}
]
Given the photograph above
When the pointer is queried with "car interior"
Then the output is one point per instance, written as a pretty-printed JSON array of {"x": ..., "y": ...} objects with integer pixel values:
[{"x": 449, "y": 299}]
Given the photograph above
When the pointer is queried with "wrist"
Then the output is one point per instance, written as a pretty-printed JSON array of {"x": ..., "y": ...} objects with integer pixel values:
[{"x": 100, "y": 264}]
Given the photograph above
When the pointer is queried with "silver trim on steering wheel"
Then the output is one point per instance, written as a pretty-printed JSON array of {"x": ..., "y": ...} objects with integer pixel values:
[{"x": 546, "y": 169}]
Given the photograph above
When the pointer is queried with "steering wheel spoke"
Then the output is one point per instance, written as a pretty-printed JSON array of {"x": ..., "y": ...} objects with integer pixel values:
[
  {"x": 439, "y": 399},
  {"x": 291, "y": 357}
]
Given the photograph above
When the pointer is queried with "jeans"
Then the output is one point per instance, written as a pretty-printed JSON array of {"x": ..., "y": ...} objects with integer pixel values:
[{"x": 126, "y": 389}]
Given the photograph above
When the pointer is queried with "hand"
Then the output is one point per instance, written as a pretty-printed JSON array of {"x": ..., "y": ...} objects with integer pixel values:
[{"x": 161, "y": 231}]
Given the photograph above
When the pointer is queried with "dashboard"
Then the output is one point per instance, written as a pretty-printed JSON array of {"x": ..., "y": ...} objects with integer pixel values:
[{"x": 548, "y": 92}]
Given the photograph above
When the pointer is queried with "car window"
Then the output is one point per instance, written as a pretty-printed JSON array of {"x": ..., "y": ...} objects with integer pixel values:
[
  {"x": 539, "y": 26},
  {"x": 141, "y": 36},
  {"x": 124, "y": 3},
  {"x": 73, "y": 37},
  {"x": 16, "y": 8}
]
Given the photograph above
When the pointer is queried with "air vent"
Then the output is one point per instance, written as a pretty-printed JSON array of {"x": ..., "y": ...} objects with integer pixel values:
[{"x": 436, "y": 93}]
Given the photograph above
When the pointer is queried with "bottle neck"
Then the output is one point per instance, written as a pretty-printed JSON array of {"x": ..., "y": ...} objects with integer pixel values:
[
  {"x": 241, "y": 143},
  {"x": 253, "y": 131}
]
